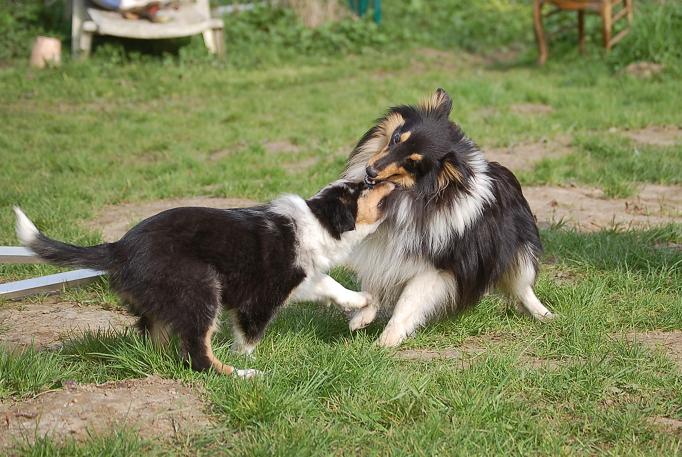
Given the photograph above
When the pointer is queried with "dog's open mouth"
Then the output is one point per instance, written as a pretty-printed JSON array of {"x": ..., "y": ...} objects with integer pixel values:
[{"x": 371, "y": 182}]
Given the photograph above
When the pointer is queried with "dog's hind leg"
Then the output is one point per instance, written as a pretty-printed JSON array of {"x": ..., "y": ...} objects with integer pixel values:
[
  {"x": 195, "y": 324},
  {"x": 518, "y": 285},
  {"x": 158, "y": 332},
  {"x": 425, "y": 295},
  {"x": 200, "y": 351}
]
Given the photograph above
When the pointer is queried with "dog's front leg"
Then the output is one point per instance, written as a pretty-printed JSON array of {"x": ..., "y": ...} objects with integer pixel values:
[
  {"x": 324, "y": 287},
  {"x": 422, "y": 297}
]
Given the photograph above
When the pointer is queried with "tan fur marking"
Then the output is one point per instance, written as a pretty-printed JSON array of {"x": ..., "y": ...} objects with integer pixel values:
[
  {"x": 396, "y": 174},
  {"x": 392, "y": 122},
  {"x": 434, "y": 102},
  {"x": 416, "y": 157},
  {"x": 386, "y": 128},
  {"x": 448, "y": 174},
  {"x": 159, "y": 333},
  {"x": 380, "y": 155},
  {"x": 404, "y": 180},
  {"x": 368, "y": 203},
  {"x": 217, "y": 365},
  {"x": 405, "y": 136}
]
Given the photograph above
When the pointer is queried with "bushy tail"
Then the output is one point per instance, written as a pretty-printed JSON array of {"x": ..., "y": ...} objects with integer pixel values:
[{"x": 96, "y": 257}]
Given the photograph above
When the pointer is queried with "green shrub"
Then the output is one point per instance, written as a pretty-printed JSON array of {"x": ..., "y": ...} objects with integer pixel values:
[
  {"x": 270, "y": 35},
  {"x": 656, "y": 35},
  {"x": 22, "y": 20},
  {"x": 276, "y": 33},
  {"x": 474, "y": 25}
]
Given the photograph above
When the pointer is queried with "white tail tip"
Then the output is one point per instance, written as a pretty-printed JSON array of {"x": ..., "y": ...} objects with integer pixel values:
[{"x": 26, "y": 231}]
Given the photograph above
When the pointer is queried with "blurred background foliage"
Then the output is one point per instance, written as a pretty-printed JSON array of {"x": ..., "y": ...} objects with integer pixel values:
[{"x": 274, "y": 33}]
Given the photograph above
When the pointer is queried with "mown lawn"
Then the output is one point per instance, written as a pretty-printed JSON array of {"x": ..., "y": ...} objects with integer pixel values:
[{"x": 87, "y": 135}]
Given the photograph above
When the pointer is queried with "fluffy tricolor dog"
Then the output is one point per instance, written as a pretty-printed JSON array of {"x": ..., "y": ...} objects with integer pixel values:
[
  {"x": 176, "y": 270},
  {"x": 457, "y": 227}
]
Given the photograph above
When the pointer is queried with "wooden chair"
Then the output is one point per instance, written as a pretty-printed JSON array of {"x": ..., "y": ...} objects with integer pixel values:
[
  {"x": 607, "y": 9},
  {"x": 189, "y": 19}
]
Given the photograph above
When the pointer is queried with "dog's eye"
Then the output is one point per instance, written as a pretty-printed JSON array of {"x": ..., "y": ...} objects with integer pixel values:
[{"x": 395, "y": 138}]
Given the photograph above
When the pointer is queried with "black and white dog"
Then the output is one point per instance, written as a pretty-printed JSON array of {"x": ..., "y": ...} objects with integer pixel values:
[
  {"x": 457, "y": 226},
  {"x": 177, "y": 269}
]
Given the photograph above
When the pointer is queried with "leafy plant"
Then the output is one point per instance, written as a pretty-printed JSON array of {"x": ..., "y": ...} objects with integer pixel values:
[
  {"x": 22, "y": 20},
  {"x": 656, "y": 35}
]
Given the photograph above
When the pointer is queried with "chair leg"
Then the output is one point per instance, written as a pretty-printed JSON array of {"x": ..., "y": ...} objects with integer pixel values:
[
  {"x": 85, "y": 44},
  {"x": 606, "y": 15},
  {"x": 539, "y": 31},
  {"x": 581, "y": 31},
  {"x": 219, "y": 41},
  {"x": 628, "y": 7},
  {"x": 209, "y": 41}
]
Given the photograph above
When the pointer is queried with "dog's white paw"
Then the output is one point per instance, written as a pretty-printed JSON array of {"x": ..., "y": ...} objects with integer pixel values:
[
  {"x": 547, "y": 317},
  {"x": 362, "y": 318},
  {"x": 248, "y": 373},
  {"x": 355, "y": 300},
  {"x": 391, "y": 337}
]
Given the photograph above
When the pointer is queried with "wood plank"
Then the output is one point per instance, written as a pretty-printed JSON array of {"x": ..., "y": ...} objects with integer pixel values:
[
  {"x": 48, "y": 284},
  {"x": 620, "y": 14},
  {"x": 619, "y": 37},
  {"x": 18, "y": 254}
]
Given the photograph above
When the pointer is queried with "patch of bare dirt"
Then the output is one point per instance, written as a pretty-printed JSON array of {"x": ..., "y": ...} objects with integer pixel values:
[
  {"x": 487, "y": 112},
  {"x": 434, "y": 54},
  {"x": 559, "y": 275},
  {"x": 523, "y": 156},
  {"x": 431, "y": 59},
  {"x": 45, "y": 325},
  {"x": 588, "y": 209},
  {"x": 643, "y": 70},
  {"x": 502, "y": 56},
  {"x": 157, "y": 408},
  {"x": 344, "y": 151},
  {"x": 656, "y": 135},
  {"x": 531, "y": 109},
  {"x": 301, "y": 165},
  {"x": 280, "y": 147},
  {"x": 470, "y": 351},
  {"x": 668, "y": 342},
  {"x": 115, "y": 221},
  {"x": 677, "y": 247},
  {"x": 666, "y": 424},
  {"x": 219, "y": 154}
]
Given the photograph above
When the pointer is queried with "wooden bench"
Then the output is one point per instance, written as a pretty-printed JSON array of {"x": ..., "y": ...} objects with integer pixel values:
[{"x": 189, "y": 19}]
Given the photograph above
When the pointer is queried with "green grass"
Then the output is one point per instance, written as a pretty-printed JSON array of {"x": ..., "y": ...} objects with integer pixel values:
[
  {"x": 87, "y": 135},
  {"x": 327, "y": 391}
]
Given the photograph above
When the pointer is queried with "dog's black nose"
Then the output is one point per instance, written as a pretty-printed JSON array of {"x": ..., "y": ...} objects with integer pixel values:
[{"x": 371, "y": 172}]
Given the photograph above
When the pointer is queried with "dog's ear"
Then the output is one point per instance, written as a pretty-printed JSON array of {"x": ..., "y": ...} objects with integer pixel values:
[
  {"x": 338, "y": 217},
  {"x": 335, "y": 211},
  {"x": 440, "y": 103}
]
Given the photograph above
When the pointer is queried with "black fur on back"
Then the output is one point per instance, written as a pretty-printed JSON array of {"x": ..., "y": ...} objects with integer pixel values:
[
  {"x": 179, "y": 267},
  {"x": 490, "y": 246}
]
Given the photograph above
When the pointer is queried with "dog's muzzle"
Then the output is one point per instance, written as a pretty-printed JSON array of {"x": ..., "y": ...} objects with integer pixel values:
[{"x": 370, "y": 177}]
